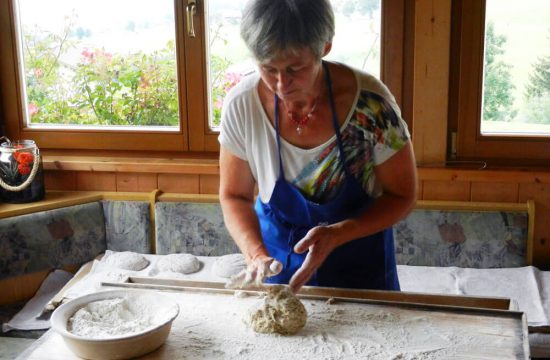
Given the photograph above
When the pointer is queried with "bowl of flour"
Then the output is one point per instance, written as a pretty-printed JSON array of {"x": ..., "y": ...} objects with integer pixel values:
[{"x": 118, "y": 324}]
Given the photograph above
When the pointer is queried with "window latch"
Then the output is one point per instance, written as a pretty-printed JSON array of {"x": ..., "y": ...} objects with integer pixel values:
[{"x": 190, "y": 11}]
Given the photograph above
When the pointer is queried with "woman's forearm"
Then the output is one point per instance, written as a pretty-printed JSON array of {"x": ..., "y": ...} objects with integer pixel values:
[
  {"x": 242, "y": 223},
  {"x": 385, "y": 211}
]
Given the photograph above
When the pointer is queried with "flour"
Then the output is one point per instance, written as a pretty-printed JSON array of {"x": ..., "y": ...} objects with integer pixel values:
[
  {"x": 112, "y": 318},
  {"x": 227, "y": 266},
  {"x": 179, "y": 263},
  {"x": 127, "y": 260},
  {"x": 211, "y": 327}
]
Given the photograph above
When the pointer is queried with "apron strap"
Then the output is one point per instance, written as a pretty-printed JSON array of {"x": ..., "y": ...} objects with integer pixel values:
[
  {"x": 335, "y": 121},
  {"x": 281, "y": 170},
  {"x": 334, "y": 124}
]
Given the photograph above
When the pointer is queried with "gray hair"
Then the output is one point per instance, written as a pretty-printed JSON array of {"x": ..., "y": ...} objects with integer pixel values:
[{"x": 272, "y": 27}]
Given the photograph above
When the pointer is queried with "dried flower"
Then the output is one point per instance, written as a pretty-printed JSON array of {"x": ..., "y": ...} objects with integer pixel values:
[{"x": 24, "y": 169}]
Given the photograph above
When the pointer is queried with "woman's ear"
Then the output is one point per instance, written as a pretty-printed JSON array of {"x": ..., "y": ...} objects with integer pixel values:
[{"x": 327, "y": 48}]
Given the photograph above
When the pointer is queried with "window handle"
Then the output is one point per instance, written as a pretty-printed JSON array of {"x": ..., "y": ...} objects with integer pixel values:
[{"x": 191, "y": 10}]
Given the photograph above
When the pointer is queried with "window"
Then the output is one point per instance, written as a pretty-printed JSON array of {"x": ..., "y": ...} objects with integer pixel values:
[
  {"x": 151, "y": 74},
  {"x": 500, "y": 88},
  {"x": 229, "y": 61}
]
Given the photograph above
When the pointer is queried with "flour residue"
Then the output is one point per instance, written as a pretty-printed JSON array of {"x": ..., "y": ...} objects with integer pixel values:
[
  {"x": 117, "y": 317},
  {"x": 211, "y": 327}
]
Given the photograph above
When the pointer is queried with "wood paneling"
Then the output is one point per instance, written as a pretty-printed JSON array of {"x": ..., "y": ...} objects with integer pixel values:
[
  {"x": 20, "y": 287},
  {"x": 541, "y": 246},
  {"x": 209, "y": 184},
  {"x": 23, "y": 287},
  {"x": 179, "y": 183},
  {"x": 136, "y": 182},
  {"x": 420, "y": 190},
  {"x": 497, "y": 192},
  {"x": 132, "y": 164},
  {"x": 95, "y": 181},
  {"x": 444, "y": 190},
  {"x": 60, "y": 180},
  {"x": 431, "y": 69}
]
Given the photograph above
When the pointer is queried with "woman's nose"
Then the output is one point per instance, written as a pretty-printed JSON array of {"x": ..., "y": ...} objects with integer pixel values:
[{"x": 283, "y": 81}]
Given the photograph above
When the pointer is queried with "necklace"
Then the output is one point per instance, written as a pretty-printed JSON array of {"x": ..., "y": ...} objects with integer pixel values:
[{"x": 301, "y": 122}]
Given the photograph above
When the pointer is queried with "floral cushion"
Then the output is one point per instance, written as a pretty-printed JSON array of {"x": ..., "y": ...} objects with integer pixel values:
[
  {"x": 51, "y": 239},
  {"x": 474, "y": 239},
  {"x": 195, "y": 228}
]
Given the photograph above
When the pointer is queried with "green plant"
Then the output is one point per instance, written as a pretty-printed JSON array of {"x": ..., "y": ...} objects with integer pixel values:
[
  {"x": 498, "y": 86},
  {"x": 102, "y": 88},
  {"x": 109, "y": 89}
]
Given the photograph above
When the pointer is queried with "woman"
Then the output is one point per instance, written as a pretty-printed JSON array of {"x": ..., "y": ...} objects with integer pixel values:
[{"x": 327, "y": 149}]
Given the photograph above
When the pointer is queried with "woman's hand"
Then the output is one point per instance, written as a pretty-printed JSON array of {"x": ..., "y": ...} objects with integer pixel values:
[
  {"x": 320, "y": 241},
  {"x": 255, "y": 273}
]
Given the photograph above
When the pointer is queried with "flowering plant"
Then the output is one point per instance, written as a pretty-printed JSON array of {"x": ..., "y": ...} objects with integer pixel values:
[
  {"x": 16, "y": 166},
  {"x": 24, "y": 162}
]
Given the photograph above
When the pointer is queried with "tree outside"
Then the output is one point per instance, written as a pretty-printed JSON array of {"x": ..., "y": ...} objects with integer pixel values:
[
  {"x": 498, "y": 86},
  {"x": 516, "y": 99},
  {"x": 537, "y": 91}
]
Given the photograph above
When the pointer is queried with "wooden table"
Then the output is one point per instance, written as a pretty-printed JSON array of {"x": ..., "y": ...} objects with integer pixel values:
[{"x": 355, "y": 324}]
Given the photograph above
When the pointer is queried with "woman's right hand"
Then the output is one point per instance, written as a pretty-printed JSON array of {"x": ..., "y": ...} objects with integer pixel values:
[{"x": 255, "y": 273}]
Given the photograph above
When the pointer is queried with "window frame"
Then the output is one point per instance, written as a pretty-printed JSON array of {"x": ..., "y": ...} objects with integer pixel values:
[
  {"x": 194, "y": 134},
  {"x": 465, "y": 95}
]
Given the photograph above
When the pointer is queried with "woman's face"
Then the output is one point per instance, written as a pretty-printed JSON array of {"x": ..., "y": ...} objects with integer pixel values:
[{"x": 293, "y": 75}]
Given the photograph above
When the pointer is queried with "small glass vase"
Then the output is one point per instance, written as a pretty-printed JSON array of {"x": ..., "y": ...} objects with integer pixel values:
[{"x": 21, "y": 173}]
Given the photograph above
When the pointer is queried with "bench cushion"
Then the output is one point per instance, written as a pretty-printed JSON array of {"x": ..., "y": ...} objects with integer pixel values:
[
  {"x": 51, "y": 239},
  {"x": 127, "y": 225},
  {"x": 474, "y": 239},
  {"x": 195, "y": 228}
]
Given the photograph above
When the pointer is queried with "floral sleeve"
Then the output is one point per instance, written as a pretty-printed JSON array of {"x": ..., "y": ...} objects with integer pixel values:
[{"x": 386, "y": 130}]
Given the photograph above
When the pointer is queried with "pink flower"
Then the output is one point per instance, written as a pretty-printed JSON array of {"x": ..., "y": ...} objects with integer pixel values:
[
  {"x": 32, "y": 109},
  {"x": 86, "y": 53},
  {"x": 89, "y": 56},
  {"x": 100, "y": 53},
  {"x": 38, "y": 73},
  {"x": 231, "y": 79}
]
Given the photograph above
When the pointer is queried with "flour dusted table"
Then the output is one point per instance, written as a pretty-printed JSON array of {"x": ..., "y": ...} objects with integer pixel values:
[{"x": 342, "y": 324}]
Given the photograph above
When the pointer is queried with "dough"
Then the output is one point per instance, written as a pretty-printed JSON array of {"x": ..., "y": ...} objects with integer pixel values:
[
  {"x": 228, "y": 265},
  {"x": 179, "y": 263},
  {"x": 127, "y": 260},
  {"x": 281, "y": 312}
]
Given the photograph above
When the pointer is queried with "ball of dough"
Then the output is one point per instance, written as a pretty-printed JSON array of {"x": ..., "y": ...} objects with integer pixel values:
[
  {"x": 127, "y": 260},
  {"x": 228, "y": 265},
  {"x": 179, "y": 263},
  {"x": 281, "y": 312}
]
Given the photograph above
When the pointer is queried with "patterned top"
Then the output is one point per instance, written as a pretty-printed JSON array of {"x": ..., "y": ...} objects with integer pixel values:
[
  {"x": 374, "y": 124},
  {"x": 372, "y": 132}
]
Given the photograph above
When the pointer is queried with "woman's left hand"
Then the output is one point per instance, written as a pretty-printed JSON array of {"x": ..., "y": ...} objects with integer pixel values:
[{"x": 320, "y": 241}]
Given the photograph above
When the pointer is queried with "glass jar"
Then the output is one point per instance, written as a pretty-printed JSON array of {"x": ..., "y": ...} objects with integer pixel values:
[{"x": 21, "y": 174}]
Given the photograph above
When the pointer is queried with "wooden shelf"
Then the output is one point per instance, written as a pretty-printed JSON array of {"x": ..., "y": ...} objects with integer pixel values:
[{"x": 53, "y": 200}]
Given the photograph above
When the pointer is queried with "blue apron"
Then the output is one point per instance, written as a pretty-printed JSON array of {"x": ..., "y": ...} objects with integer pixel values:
[{"x": 365, "y": 263}]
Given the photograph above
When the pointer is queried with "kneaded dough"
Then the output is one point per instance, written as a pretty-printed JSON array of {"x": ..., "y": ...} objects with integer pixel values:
[
  {"x": 228, "y": 265},
  {"x": 127, "y": 260},
  {"x": 281, "y": 312},
  {"x": 179, "y": 263}
]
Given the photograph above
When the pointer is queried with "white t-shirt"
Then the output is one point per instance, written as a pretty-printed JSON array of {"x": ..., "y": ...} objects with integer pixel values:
[{"x": 372, "y": 132}]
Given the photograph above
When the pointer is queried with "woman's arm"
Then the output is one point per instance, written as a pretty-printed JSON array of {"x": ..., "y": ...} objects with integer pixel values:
[
  {"x": 398, "y": 178},
  {"x": 237, "y": 201}
]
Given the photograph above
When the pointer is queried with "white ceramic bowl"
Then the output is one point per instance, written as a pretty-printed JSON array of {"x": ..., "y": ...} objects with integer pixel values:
[{"x": 120, "y": 347}]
